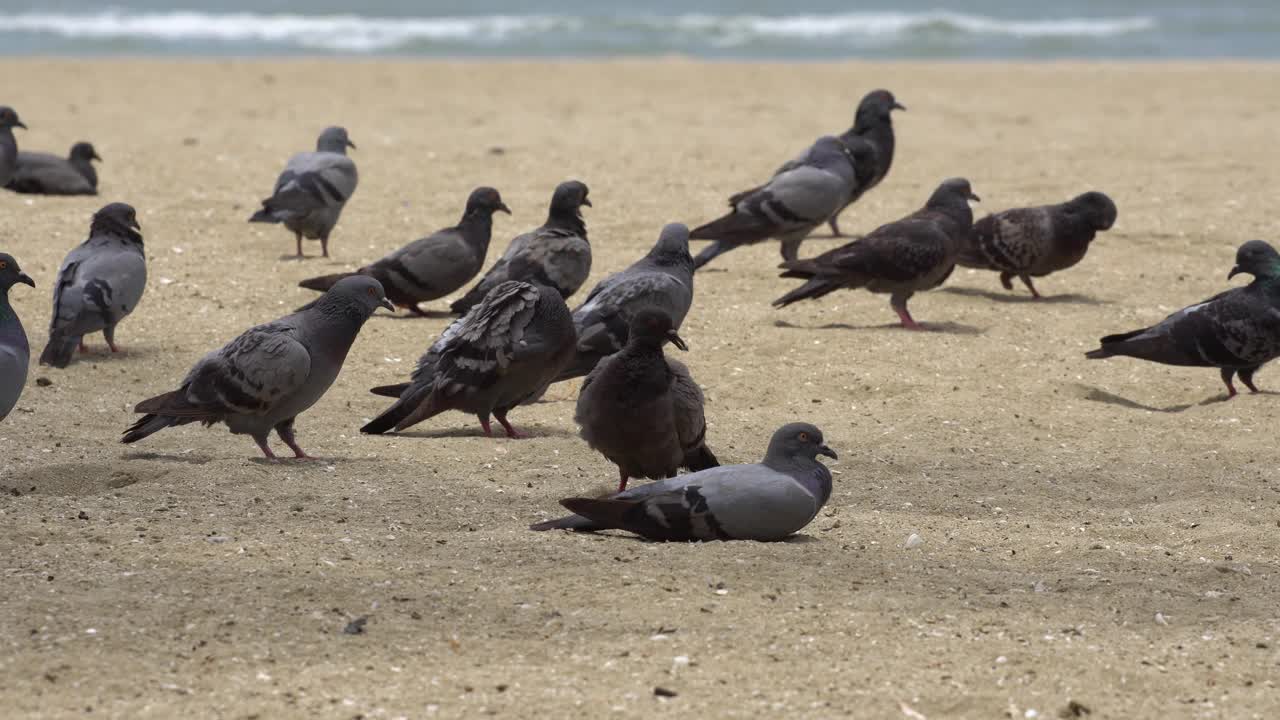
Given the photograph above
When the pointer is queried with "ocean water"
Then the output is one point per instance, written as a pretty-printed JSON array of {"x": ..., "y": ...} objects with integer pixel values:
[{"x": 765, "y": 29}]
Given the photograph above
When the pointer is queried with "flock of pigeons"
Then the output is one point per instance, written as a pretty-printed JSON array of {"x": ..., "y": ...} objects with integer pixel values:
[{"x": 516, "y": 335}]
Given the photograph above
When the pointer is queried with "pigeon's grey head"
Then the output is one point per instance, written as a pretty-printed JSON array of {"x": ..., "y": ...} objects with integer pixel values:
[
  {"x": 9, "y": 118},
  {"x": 117, "y": 219},
  {"x": 10, "y": 273},
  {"x": 1258, "y": 259},
  {"x": 357, "y": 295},
  {"x": 672, "y": 245},
  {"x": 953, "y": 192},
  {"x": 485, "y": 201},
  {"x": 334, "y": 139},
  {"x": 798, "y": 440},
  {"x": 652, "y": 327},
  {"x": 876, "y": 107},
  {"x": 569, "y": 196},
  {"x": 84, "y": 151},
  {"x": 1100, "y": 209}
]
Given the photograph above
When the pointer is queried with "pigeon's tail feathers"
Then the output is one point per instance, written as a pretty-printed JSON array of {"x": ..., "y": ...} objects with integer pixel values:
[
  {"x": 700, "y": 458},
  {"x": 733, "y": 227},
  {"x": 146, "y": 425},
  {"x": 603, "y": 513},
  {"x": 265, "y": 215},
  {"x": 711, "y": 252},
  {"x": 582, "y": 364},
  {"x": 468, "y": 301},
  {"x": 414, "y": 405},
  {"x": 569, "y": 522},
  {"x": 812, "y": 290},
  {"x": 59, "y": 351},
  {"x": 324, "y": 282},
  {"x": 1113, "y": 345},
  {"x": 394, "y": 391}
]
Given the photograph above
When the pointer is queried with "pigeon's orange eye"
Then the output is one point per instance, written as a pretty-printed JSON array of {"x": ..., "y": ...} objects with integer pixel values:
[
  {"x": 3, "y": 264},
  {"x": 803, "y": 437}
]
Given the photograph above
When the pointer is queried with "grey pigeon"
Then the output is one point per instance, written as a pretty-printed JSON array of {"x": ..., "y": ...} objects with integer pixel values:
[
  {"x": 8, "y": 144},
  {"x": 1237, "y": 331},
  {"x": 661, "y": 279},
  {"x": 271, "y": 373},
  {"x": 434, "y": 266},
  {"x": 767, "y": 501},
  {"x": 901, "y": 258},
  {"x": 503, "y": 352},
  {"x": 311, "y": 192},
  {"x": 642, "y": 410},
  {"x": 100, "y": 282},
  {"x": 15, "y": 352},
  {"x": 1035, "y": 241},
  {"x": 47, "y": 174},
  {"x": 793, "y": 202},
  {"x": 557, "y": 254}
]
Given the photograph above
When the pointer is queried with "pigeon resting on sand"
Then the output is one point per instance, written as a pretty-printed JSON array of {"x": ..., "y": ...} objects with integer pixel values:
[
  {"x": 903, "y": 257},
  {"x": 436, "y": 265},
  {"x": 1035, "y": 241},
  {"x": 265, "y": 378},
  {"x": 767, "y": 501},
  {"x": 874, "y": 124},
  {"x": 100, "y": 282},
  {"x": 311, "y": 192},
  {"x": 15, "y": 352},
  {"x": 793, "y": 202},
  {"x": 1235, "y": 331},
  {"x": 661, "y": 279},
  {"x": 642, "y": 410},
  {"x": 8, "y": 144},
  {"x": 47, "y": 174},
  {"x": 503, "y": 352},
  {"x": 557, "y": 254}
]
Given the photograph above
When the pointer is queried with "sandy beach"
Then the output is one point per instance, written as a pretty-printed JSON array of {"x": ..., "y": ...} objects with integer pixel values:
[{"x": 1100, "y": 536}]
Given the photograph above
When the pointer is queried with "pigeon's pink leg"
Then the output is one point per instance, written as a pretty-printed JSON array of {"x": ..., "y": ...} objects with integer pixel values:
[
  {"x": 266, "y": 449},
  {"x": 907, "y": 321},
  {"x": 1227, "y": 374},
  {"x": 83, "y": 348},
  {"x": 285, "y": 431},
  {"x": 484, "y": 423},
  {"x": 1026, "y": 280},
  {"x": 622, "y": 480},
  {"x": 511, "y": 432}
]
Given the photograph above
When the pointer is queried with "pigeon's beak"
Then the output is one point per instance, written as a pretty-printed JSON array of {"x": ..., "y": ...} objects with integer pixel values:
[
  {"x": 19, "y": 123},
  {"x": 503, "y": 207},
  {"x": 387, "y": 304},
  {"x": 897, "y": 106},
  {"x": 133, "y": 223},
  {"x": 677, "y": 340},
  {"x": 586, "y": 202},
  {"x": 973, "y": 196},
  {"x": 824, "y": 450},
  {"x": 351, "y": 145},
  {"x": 95, "y": 156},
  {"x": 25, "y": 279},
  {"x": 1234, "y": 272}
]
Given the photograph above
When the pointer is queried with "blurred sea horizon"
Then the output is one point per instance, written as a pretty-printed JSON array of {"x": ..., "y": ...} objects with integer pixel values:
[{"x": 760, "y": 29}]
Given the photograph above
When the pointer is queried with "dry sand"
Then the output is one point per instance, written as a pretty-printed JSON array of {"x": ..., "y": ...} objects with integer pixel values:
[{"x": 1094, "y": 532}]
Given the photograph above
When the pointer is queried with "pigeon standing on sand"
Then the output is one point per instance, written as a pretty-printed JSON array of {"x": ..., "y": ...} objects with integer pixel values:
[
  {"x": 15, "y": 352},
  {"x": 901, "y": 258},
  {"x": 311, "y": 192},
  {"x": 557, "y": 254},
  {"x": 872, "y": 123},
  {"x": 793, "y": 202},
  {"x": 503, "y": 352},
  {"x": 642, "y": 410},
  {"x": 434, "y": 266},
  {"x": 1237, "y": 331},
  {"x": 8, "y": 143},
  {"x": 767, "y": 501},
  {"x": 1035, "y": 241},
  {"x": 100, "y": 282},
  {"x": 266, "y": 377},
  {"x": 47, "y": 174},
  {"x": 661, "y": 279}
]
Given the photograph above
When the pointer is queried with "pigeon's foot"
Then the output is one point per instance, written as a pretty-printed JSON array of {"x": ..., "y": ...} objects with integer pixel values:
[
  {"x": 114, "y": 347},
  {"x": 1026, "y": 280},
  {"x": 1006, "y": 281},
  {"x": 484, "y": 423},
  {"x": 83, "y": 348},
  {"x": 908, "y": 322},
  {"x": 266, "y": 449},
  {"x": 511, "y": 431},
  {"x": 622, "y": 480}
]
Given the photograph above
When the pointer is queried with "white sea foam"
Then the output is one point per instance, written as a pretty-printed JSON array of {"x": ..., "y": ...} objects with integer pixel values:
[{"x": 354, "y": 33}]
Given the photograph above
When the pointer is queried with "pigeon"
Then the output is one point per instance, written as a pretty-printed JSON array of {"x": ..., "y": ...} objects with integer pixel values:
[
  {"x": 1237, "y": 331},
  {"x": 314, "y": 187},
  {"x": 557, "y": 254},
  {"x": 767, "y": 501},
  {"x": 271, "y": 373},
  {"x": 643, "y": 411},
  {"x": 8, "y": 144},
  {"x": 46, "y": 174},
  {"x": 793, "y": 202},
  {"x": 15, "y": 352},
  {"x": 903, "y": 257},
  {"x": 100, "y": 282},
  {"x": 1035, "y": 241},
  {"x": 663, "y": 279},
  {"x": 434, "y": 266},
  {"x": 503, "y": 352},
  {"x": 874, "y": 124}
]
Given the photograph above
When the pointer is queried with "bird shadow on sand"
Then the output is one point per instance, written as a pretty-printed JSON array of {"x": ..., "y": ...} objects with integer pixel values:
[
  {"x": 309, "y": 461},
  {"x": 529, "y": 432},
  {"x": 1013, "y": 297},
  {"x": 947, "y": 328},
  {"x": 101, "y": 354},
  {"x": 293, "y": 257},
  {"x": 166, "y": 457},
  {"x": 1102, "y": 396},
  {"x": 612, "y": 534}
]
